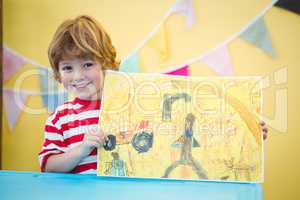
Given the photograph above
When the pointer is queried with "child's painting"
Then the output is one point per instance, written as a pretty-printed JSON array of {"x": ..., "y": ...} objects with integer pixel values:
[{"x": 198, "y": 128}]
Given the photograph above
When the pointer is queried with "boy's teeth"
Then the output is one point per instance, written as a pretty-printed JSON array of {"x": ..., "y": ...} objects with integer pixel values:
[{"x": 81, "y": 84}]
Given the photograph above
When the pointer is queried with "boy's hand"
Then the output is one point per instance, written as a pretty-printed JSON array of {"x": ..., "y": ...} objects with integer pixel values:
[
  {"x": 264, "y": 129},
  {"x": 94, "y": 138}
]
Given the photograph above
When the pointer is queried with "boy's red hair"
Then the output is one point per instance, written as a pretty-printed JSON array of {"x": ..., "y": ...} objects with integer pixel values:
[{"x": 82, "y": 37}]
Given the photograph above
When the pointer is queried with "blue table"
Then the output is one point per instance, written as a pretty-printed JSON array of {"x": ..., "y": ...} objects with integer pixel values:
[{"x": 56, "y": 186}]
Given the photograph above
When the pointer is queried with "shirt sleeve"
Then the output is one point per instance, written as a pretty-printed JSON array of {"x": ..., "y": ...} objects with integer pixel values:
[{"x": 53, "y": 142}]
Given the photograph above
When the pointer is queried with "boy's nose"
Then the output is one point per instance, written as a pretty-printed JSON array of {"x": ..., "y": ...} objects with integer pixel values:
[{"x": 78, "y": 74}]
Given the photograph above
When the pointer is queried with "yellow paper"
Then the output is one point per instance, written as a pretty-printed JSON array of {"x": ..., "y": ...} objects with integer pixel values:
[{"x": 199, "y": 128}]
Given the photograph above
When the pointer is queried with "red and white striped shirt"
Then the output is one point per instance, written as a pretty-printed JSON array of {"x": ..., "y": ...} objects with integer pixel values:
[{"x": 65, "y": 129}]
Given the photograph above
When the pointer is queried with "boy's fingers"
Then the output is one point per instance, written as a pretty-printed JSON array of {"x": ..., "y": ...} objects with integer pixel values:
[
  {"x": 96, "y": 131},
  {"x": 106, "y": 138},
  {"x": 92, "y": 138},
  {"x": 95, "y": 144},
  {"x": 93, "y": 130},
  {"x": 96, "y": 138}
]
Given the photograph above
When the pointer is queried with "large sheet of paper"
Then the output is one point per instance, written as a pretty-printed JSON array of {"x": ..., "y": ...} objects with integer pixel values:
[{"x": 164, "y": 126}]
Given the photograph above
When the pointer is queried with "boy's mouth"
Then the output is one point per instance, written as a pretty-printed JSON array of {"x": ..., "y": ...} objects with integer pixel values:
[{"x": 81, "y": 85}]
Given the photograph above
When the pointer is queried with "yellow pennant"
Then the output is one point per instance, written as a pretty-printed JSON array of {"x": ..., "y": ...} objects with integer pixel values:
[{"x": 159, "y": 43}]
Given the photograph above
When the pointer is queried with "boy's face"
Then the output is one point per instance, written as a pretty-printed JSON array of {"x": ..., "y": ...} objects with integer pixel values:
[{"x": 83, "y": 77}]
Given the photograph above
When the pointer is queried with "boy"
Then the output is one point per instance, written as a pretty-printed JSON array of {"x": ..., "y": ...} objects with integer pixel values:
[{"x": 79, "y": 53}]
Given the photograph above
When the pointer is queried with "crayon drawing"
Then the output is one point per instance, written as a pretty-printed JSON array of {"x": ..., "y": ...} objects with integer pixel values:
[{"x": 198, "y": 128}]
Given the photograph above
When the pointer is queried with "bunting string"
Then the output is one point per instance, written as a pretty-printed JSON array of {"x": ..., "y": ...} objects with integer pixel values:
[
  {"x": 27, "y": 60},
  {"x": 226, "y": 42}
]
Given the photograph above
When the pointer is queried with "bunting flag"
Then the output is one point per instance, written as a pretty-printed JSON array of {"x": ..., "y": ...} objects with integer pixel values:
[
  {"x": 159, "y": 43},
  {"x": 14, "y": 104},
  {"x": 131, "y": 64},
  {"x": 49, "y": 90},
  {"x": 11, "y": 63},
  {"x": 258, "y": 35},
  {"x": 185, "y": 8},
  {"x": 53, "y": 100},
  {"x": 219, "y": 61},
  {"x": 183, "y": 71},
  {"x": 47, "y": 82}
]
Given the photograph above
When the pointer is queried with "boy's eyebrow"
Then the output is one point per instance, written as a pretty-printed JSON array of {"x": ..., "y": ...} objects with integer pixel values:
[
  {"x": 69, "y": 61},
  {"x": 64, "y": 62}
]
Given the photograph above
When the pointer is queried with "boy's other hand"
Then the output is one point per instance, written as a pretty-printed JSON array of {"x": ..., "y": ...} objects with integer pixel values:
[
  {"x": 94, "y": 138},
  {"x": 264, "y": 129}
]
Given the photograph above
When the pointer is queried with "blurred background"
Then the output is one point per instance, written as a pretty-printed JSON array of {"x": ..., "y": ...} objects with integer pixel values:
[{"x": 196, "y": 38}]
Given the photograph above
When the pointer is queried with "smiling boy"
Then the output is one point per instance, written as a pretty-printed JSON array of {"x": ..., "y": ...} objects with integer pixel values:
[{"x": 79, "y": 53}]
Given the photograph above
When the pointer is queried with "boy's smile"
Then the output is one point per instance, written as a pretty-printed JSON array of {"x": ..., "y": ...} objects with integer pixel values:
[{"x": 84, "y": 77}]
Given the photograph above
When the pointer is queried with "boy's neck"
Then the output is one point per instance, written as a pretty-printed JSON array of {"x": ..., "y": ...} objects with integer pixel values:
[{"x": 88, "y": 102}]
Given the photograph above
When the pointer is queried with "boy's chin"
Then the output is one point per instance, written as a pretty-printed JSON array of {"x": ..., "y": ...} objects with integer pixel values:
[{"x": 89, "y": 96}]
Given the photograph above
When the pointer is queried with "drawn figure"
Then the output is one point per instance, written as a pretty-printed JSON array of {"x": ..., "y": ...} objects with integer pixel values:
[
  {"x": 186, "y": 157},
  {"x": 168, "y": 101},
  {"x": 117, "y": 166},
  {"x": 239, "y": 170}
]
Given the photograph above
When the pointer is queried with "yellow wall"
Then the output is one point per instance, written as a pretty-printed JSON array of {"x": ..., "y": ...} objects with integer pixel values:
[{"x": 29, "y": 25}]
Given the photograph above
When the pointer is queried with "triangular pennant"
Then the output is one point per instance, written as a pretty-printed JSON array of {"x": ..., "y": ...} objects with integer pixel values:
[
  {"x": 11, "y": 63},
  {"x": 47, "y": 82},
  {"x": 53, "y": 100},
  {"x": 14, "y": 104},
  {"x": 185, "y": 8},
  {"x": 159, "y": 43},
  {"x": 49, "y": 89},
  {"x": 131, "y": 64},
  {"x": 219, "y": 61},
  {"x": 183, "y": 71},
  {"x": 258, "y": 35}
]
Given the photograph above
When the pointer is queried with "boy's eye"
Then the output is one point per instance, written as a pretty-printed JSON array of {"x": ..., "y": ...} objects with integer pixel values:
[
  {"x": 67, "y": 68},
  {"x": 88, "y": 64}
]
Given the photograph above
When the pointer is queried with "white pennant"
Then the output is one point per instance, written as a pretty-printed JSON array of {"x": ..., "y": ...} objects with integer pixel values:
[
  {"x": 219, "y": 61},
  {"x": 185, "y": 8},
  {"x": 14, "y": 104}
]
